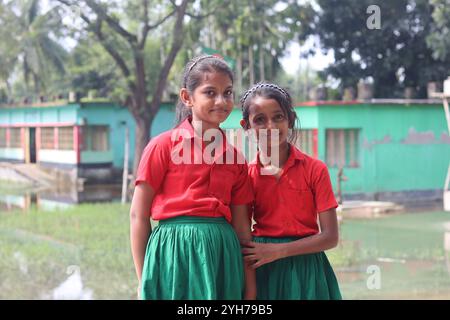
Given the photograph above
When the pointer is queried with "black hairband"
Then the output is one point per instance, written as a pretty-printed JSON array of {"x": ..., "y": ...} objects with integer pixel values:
[
  {"x": 195, "y": 62},
  {"x": 262, "y": 85}
]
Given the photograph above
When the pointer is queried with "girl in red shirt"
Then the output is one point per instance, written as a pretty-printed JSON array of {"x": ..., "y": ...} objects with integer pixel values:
[
  {"x": 199, "y": 198},
  {"x": 288, "y": 248}
]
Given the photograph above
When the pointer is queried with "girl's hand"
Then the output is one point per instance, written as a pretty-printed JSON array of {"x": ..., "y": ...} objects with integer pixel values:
[{"x": 258, "y": 254}]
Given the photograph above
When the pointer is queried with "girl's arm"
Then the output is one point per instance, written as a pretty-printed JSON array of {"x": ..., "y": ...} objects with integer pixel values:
[
  {"x": 241, "y": 224},
  {"x": 140, "y": 227},
  {"x": 260, "y": 254}
]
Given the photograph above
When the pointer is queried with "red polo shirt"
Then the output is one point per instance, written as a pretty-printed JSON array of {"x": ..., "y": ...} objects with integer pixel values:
[
  {"x": 192, "y": 189},
  {"x": 288, "y": 206}
]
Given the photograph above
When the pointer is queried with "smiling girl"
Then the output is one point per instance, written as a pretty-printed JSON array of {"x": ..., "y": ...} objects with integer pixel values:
[
  {"x": 288, "y": 245},
  {"x": 194, "y": 252}
]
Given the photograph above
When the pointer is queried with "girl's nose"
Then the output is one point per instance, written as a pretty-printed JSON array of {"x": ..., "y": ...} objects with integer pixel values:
[
  {"x": 220, "y": 100},
  {"x": 271, "y": 125}
]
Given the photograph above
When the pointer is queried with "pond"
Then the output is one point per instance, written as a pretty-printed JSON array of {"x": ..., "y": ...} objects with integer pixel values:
[
  {"x": 405, "y": 256},
  {"x": 24, "y": 197},
  {"x": 83, "y": 252}
]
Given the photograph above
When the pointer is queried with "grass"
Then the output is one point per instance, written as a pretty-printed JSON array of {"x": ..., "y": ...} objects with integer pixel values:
[
  {"x": 38, "y": 246},
  {"x": 94, "y": 237}
]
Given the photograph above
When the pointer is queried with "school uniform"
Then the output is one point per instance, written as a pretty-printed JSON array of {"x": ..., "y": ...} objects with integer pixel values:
[
  {"x": 194, "y": 252},
  {"x": 286, "y": 209}
]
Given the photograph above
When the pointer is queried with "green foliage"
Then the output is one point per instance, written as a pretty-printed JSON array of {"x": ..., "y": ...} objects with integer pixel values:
[
  {"x": 395, "y": 56},
  {"x": 28, "y": 37},
  {"x": 439, "y": 38},
  {"x": 238, "y": 28},
  {"x": 91, "y": 68}
]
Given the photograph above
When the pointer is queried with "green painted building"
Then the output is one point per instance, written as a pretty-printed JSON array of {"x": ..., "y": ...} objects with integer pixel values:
[
  {"x": 88, "y": 137},
  {"x": 388, "y": 149}
]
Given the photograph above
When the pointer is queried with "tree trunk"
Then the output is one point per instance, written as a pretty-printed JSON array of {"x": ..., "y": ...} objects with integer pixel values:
[
  {"x": 140, "y": 110},
  {"x": 212, "y": 33},
  {"x": 141, "y": 81},
  {"x": 251, "y": 65},
  {"x": 239, "y": 72},
  {"x": 37, "y": 88},
  {"x": 262, "y": 75},
  {"x": 9, "y": 90},
  {"x": 144, "y": 117},
  {"x": 142, "y": 136}
]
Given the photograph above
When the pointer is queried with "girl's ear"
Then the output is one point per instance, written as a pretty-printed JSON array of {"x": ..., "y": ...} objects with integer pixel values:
[
  {"x": 243, "y": 123},
  {"x": 185, "y": 97}
]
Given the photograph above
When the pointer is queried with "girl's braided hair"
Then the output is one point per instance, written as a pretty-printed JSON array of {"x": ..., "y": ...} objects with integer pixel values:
[{"x": 264, "y": 85}]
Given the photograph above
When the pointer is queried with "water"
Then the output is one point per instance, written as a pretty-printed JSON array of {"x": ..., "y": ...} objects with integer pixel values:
[
  {"x": 406, "y": 256},
  {"x": 16, "y": 197},
  {"x": 83, "y": 251}
]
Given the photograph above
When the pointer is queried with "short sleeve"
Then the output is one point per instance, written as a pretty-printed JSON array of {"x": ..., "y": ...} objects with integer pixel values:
[
  {"x": 242, "y": 191},
  {"x": 323, "y": 190},
  {"x": 154, "y": 163}
]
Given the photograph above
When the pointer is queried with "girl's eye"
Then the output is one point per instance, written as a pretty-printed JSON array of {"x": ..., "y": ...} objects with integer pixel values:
[
  {"x": 228, "y": 93},
  {"x": 210, "y": 93},
  {"x": 279, "y": 117},
  {"x": 258, "y": 120}
]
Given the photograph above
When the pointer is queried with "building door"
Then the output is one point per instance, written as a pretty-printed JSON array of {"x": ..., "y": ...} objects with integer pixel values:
[{"x": 32, "y": 132}]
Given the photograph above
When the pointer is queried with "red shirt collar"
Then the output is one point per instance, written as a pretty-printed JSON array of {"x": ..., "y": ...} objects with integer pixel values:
[
  {"x": 294, "y": 154},
  {"x": 187, "y": 125}
]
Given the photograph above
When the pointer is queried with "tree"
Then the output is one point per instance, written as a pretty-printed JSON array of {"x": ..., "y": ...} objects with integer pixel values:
[
  {"x": 255, "y": 33},
  {"x": 90, "y": 67},
  {"x": 395, "y": 56},
  {"x": 28, "y": 37},
  {"x": 125, "y": 38},
  {"x": 439, "y": 38}
]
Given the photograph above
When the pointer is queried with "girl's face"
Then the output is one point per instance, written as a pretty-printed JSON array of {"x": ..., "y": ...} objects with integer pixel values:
[
  {"x": 267, "y": 114},
  {"x": 212, "y": 100}
]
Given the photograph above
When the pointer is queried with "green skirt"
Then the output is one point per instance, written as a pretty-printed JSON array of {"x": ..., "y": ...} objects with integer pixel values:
[
  {"x": 302, "y": 277},
  {"x": 193, "y": 258}
]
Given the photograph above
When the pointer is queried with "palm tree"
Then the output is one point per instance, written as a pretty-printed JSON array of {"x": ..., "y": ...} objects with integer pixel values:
[{"x": 32, "y": 41}]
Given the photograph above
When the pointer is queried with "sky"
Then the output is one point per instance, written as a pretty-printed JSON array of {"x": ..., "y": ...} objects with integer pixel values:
[{"x": 292, "y": 61}]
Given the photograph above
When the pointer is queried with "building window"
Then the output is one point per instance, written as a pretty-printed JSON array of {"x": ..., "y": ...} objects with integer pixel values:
[
  {"x": 342, "y": 148},
  {"x": 15, "y": 136},
  {"x": 305, "y": 141},
  {"x": 96, "y": 138},
  {"x": 47, "y": 138},
  {"x": 65, "y": 138},
  {"x": 3, "y": 138}
]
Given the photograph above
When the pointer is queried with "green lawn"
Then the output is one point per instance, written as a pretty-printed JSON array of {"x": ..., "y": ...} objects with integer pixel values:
[{"x": 94, "y": 237}]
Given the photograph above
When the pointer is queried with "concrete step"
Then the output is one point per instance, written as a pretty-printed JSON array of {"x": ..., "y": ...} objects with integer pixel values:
[
  {"x": 30, "y": 173},
  {"x": 35, "y": 172}
]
